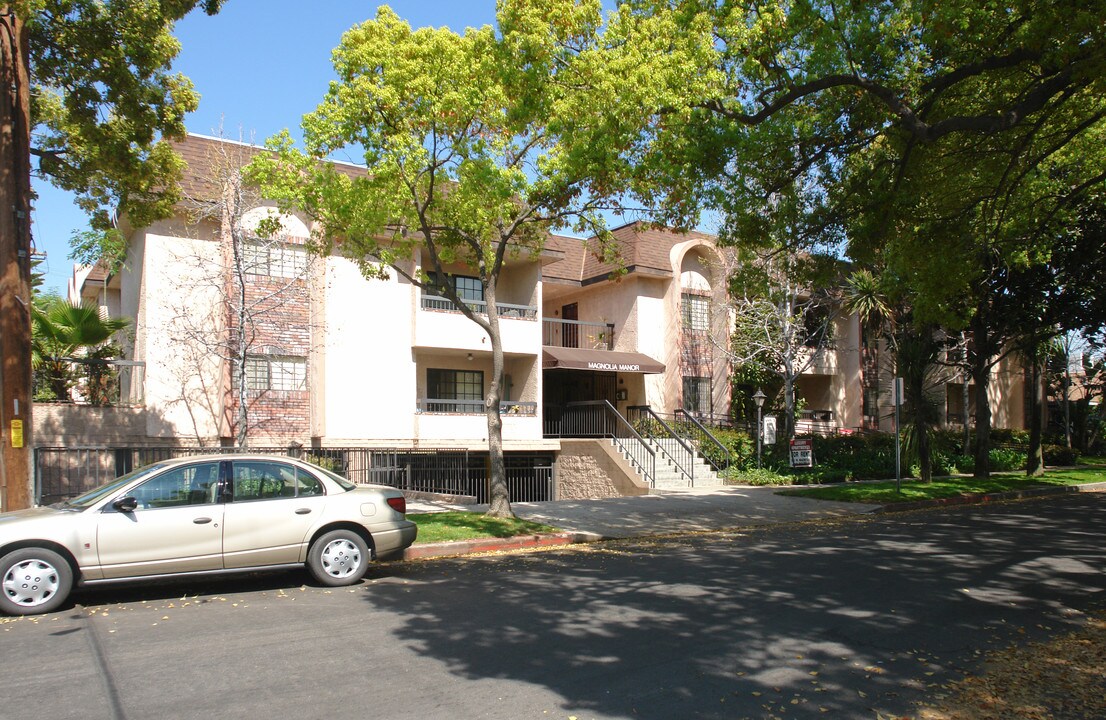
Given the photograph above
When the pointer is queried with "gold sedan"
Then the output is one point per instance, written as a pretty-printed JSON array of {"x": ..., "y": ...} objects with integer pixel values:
[{"x": 203, "y": 514}]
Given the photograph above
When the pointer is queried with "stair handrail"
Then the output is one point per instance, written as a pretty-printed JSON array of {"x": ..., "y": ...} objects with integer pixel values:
[
  {"x": 703, "y": 432},
  {"x": 647, "y": 462},
  {"x": 687, "y": 466}
]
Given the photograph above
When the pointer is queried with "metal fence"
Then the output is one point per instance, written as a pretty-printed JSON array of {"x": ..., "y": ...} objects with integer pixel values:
[{"x": 61, "y": 473}]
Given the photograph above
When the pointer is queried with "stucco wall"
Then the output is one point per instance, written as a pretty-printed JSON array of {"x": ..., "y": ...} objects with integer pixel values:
[
  {"x": 369, "y": 363},
  {"x": 179, "y": 319}
]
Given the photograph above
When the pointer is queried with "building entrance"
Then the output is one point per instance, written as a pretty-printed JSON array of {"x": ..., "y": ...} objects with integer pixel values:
[{"x": 561, "y": 387}]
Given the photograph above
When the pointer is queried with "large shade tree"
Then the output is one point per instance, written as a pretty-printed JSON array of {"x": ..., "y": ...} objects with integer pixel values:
[
  {"x": 950, "y": 138},
  {"x": 89, "y": 94},
  {"x": 476, "y": 146}
]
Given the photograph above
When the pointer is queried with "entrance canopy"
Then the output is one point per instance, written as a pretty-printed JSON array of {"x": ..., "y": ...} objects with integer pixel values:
[{"x": 603, "y": 360}]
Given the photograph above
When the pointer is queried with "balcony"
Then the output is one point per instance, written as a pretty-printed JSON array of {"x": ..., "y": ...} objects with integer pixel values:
[
  {"x": 82, "y": 381},
  {"x": 440, "y": 324},
  {"x": 503, "y": 310},
  {"x": 822, "y": 361},
  {"x": 577, "y": 334},
  {"x": 475, "y": 407},
  {"x": 451, "y": 421}
]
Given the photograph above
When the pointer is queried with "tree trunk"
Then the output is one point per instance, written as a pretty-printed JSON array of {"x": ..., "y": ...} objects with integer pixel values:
[
  {"x": 966, "y": 397},
  {"x": 499, "y": 501},
  {"x": 1067, "y": 402},
  {"x": 981, "y": 374},
  {"x": 1035, "y": 463},
  {"x": 16, "y": 438}
]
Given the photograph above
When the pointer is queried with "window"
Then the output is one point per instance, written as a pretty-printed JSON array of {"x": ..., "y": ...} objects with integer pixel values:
[
  {"x": 871, "y": 401},
  {"x": 262, "y": 480},
  {"x": 466, "y": 287},
  {"x": 265, "y": 372},
  {"x": 817, "y": 327},
  {"x": 694, "y": 311},
  {"x": 190, "y": 485},
  {"x": 697, "y": 395},
  {"x": 455, "y": 390},
  {"x": 274, "y": 259}
]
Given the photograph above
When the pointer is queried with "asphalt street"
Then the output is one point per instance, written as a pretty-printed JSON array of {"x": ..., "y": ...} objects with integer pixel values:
[{"x": 839, "y": 618}]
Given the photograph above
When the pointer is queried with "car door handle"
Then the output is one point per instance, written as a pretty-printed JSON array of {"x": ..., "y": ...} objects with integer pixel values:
[
  {"x": 201, "y": 521},
  {"x": 303, "y": 511}
]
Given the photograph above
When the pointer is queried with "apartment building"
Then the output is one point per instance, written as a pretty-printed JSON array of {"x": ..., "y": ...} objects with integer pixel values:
[{"x": 335, "y": 360}]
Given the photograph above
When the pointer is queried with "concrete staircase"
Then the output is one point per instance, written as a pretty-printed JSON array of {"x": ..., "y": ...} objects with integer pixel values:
[{"x": 669, "y": 476}]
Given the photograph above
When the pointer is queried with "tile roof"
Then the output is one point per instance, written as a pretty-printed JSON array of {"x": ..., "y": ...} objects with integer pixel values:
[{"x": 644, "y": 249}]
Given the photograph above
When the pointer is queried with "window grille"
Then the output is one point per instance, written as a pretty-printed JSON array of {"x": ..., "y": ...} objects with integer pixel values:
[{"x": 695, "y": 311}]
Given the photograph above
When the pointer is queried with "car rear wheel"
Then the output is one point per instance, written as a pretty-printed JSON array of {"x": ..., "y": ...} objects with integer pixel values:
[
  {"x": 33, "y": 580},
  {"x": 340, "y": 557}
]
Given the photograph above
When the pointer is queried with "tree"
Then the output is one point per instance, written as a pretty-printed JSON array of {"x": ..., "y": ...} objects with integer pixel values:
[
  {"x": 476, "y": 147},
  {"x": 88, "y": 93},
  {"x": 64, "y": 333},
  {"x": 783, "y": 318},
  {"x": 879, "y": 302},
  {"x": 973, "y": 127}
]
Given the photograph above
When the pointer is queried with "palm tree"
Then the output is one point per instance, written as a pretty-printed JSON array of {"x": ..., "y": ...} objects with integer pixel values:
[
  {"x": 915, "y": 350},
  {"x": 62, "y": 331}
]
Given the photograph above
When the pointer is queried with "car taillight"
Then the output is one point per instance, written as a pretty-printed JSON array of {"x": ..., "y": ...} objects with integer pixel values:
[{"x": 399, "y": 504}]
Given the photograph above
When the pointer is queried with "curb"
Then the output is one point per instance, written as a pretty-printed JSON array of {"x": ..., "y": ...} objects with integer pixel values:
[
  {"x": 459, "y": 548},
  {"x": 482, "y": 545},
  {"x": 982, "y": 498}
]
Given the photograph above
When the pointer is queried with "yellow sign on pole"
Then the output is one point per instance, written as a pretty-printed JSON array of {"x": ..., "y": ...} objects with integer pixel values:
[{"x": 17, "y": 433}]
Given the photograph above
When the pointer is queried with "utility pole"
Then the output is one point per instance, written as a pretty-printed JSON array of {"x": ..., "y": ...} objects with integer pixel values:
[{"x": 15, "y": 264}]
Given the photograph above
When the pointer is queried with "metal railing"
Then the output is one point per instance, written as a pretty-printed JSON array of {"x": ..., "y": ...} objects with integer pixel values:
[
  {"x": 62, "y": 473},
  {"x": 664, "y": 438},
  {"x": 476, "y": 407},
  {"x": 599, "y": 419},
  {"x": 709, "y": 446},
  {"x": 82, "y": 381},
  {"x": 503, "y": 310},
  {"x": 577, "y": 334}
]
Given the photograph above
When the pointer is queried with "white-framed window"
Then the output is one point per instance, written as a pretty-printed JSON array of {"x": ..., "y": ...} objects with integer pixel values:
[
  {"x": 271, "y": 372},
  {"x": 274, "y": 259}
]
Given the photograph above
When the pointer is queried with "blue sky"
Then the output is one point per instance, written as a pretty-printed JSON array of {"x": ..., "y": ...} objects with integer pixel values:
[{"x": 259, "y": 67}]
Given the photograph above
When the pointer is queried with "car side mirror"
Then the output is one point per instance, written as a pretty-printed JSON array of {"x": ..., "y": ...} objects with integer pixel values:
[{"x": 126, "y": 504}]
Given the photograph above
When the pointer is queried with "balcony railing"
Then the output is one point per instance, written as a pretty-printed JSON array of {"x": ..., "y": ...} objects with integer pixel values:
[
  {"x": 476, "y": 407},
  {"x": 504, "y": 310},
  {"x": 577, "y": 334},
  {"x": 90, "y": 382}
]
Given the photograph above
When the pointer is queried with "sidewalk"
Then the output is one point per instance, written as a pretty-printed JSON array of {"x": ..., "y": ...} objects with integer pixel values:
[{"x": 675, "y": 511}]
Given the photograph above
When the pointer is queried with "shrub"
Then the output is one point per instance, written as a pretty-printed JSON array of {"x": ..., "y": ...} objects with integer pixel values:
[
  {"x": 958, "y": 464},
  {"x": 755, "y": 476},
  {"x": 1009, "y": 436},
  {"x": 1005, "y": 459},
  {"x": 740, "y": 445},
  {"x": 1060, "y": 455}
]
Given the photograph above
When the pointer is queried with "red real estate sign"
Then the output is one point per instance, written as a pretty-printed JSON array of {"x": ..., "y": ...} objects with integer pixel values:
[{"x": 802, "y": 452}]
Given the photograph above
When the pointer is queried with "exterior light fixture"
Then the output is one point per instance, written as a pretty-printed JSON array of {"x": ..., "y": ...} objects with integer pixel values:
[{"x": 759, "y": 397}]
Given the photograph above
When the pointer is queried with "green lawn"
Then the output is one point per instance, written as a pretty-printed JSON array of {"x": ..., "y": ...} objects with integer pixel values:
[
  {"x": 883, "y": 493},
  {"x": 449, "y": 526}
]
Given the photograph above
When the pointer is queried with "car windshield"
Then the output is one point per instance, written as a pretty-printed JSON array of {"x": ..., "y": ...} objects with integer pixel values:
[{"x": 93, "y": 496}]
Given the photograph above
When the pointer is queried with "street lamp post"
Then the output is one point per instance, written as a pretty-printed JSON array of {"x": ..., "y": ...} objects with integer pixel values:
[{"x": 759, "y": 398}]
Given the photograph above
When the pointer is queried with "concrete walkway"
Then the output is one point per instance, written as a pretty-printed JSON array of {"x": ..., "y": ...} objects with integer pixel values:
[
  {"x": 669, "y": 511},
  {"x": 674, "y": 511}
]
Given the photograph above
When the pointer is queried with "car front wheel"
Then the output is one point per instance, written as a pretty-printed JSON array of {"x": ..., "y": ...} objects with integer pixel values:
[
  {"x": 340, "y": 557},
  {"x": 33, "y": 580}
]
